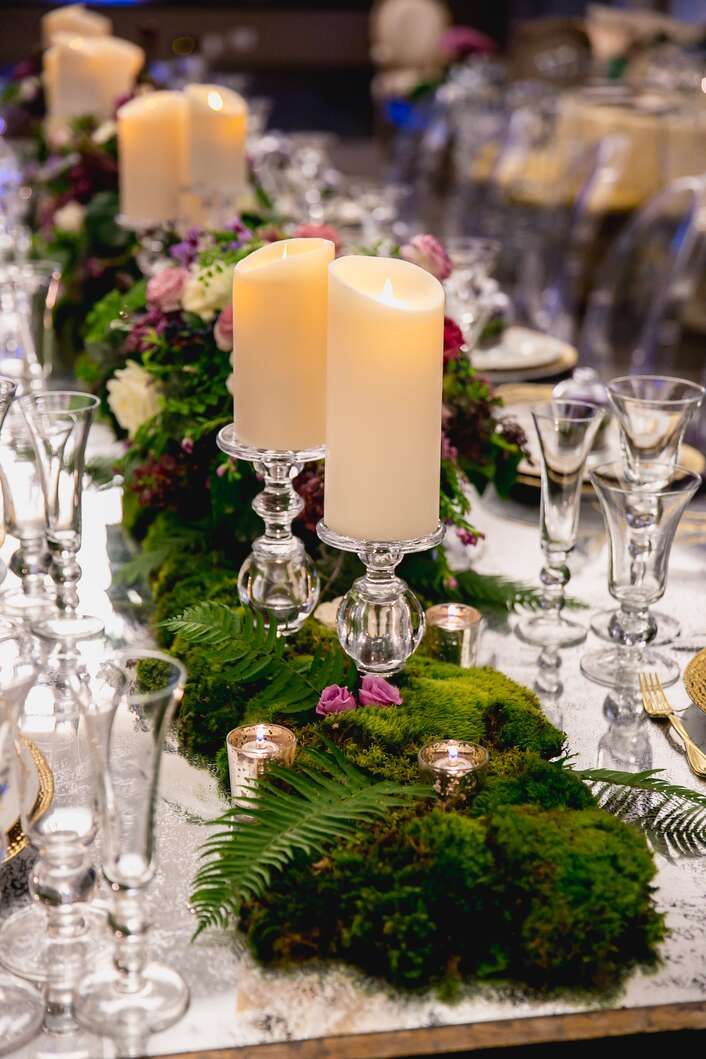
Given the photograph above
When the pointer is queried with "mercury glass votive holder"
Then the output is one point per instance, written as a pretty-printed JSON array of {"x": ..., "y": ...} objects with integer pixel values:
[
  {"x": 251, "y": 749},
  {"x": 455, "y": 767},
  {"x": 453, "y": 633}
]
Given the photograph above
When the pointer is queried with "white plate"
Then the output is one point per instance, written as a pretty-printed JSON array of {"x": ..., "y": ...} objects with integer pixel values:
[
  {"x": 10, "y": 804},
  {"x": 519, "y": 348}
]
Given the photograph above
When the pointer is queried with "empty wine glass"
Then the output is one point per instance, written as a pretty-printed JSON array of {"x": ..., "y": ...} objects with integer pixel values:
[
  {"x": 21, "y": 1007},
  {"x": 566, "y": 431},
  {"x": 641, "y": 521},
  {"x": 135, "y": 996},
  {"x": 59, "y": 423},
  {"x": 653, "y": 412},
  {"x": 471, "y": 293}
]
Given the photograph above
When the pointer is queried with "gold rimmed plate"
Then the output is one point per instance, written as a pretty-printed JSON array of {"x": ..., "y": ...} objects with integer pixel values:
[
  {"x": 695, "y": 680},
  {"x": 16, "y": 838},
  {"x": 524, "y": 354}
]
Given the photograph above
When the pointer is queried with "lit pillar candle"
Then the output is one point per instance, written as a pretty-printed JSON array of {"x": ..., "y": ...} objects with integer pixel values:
[
  {"x": 87, "y": 75},
  {"x": 279, "y": 332},
  {"x": 74, "y": 19},
  {"x": 151, "y": 132},
  {"x": 216, "y": 130},
  {"x": 383, "y": 405}
]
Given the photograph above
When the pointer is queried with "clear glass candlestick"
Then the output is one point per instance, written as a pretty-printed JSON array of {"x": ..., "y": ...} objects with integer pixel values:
[
  {"x": 153, "y": 241},
  {"x": 59, "y": 423},
  {"x": 380, "y": 622},
  {"x": 653, "y": 412},
  {"x": 566, "y": 431},
  {"x": 21, "y": 1007},
  {"x": 278, "y": 578},
  {"x": 641, "y": 521},
  {"x": 135, "y": 996}
]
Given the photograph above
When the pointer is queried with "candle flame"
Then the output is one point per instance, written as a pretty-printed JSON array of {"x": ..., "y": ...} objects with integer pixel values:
[
  {"x": 215, "y": 100},
  {"x": 284, "y": 250},
  {"x": 387, "y": 294},
  {"x": 453, "y": 753},
  {"x": 260, "y": 733}
]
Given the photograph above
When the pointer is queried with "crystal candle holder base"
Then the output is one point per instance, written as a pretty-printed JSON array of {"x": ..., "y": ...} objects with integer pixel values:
[
  {"x": 668, "y": 628},
  {"x": 380, "y": 622},
  {"x": 278, "y": 578}
]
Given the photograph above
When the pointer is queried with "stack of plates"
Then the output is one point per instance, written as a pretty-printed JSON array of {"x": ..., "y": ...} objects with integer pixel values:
[
  {"x": 524, "y": 354},
  {"x": 39, "y": 793}
]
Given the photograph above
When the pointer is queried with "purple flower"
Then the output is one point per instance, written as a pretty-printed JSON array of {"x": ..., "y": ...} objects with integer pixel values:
[
  {"x": 223, "y": 329},
  {"x": 376, "y": 691},
  {"x": 185, "y": 252},
  {"x": 165, "y": 289},
  {"x": 335, "y": 699},
  {"x": 448, "y": 451},
  {"x": 468, "y": 538},
  {"x": 428, "y": 253},
  {"x": 187, "y": 445}
]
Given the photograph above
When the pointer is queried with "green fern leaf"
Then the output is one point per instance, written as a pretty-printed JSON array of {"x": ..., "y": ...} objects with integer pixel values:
[
  {"x": 207, "y": 623},
  {"x": 309, "y": 808}
]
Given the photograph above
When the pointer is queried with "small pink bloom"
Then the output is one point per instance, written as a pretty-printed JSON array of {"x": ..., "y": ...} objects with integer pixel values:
[
  {"x": 451, "y": 583},
  {"x": 319, "y": 231},
  {"x": 428, "y": 253},
  {"x": 458, "y": 41},
  {"x": 376, "y": 691},
  {"x": 187, "y": 445},
  {"x": 335, "y": 699},
  {"x": 164, "y": 290},
  {"x": 221, "y": 469},
  {"x": 223, "y": 329}
]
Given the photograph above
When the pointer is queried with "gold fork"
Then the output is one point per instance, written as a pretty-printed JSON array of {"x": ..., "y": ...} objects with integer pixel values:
[{"x": 657, "y": 706}]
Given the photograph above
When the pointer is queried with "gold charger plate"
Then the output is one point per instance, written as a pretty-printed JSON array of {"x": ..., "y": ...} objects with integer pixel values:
[
  {"x": 16, "y": 838},
  {"x": 695, "y": 680},
  {"x": 512, "y": 377},
  {"x": 535, "y": 393}
]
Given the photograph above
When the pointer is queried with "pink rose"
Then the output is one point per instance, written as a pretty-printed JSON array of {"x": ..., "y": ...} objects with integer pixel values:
[
  {"x": 376, "y": 691},
  {"x": 428, "y": 253},
  {"x": 223, "y": 329},
  {"x": 164, "y": 290},
  {"x": 319, "y": 231},
  {"x": 335, "y": 699}
]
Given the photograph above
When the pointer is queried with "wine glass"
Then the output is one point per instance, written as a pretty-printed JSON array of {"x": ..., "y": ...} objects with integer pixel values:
[
  {"x": 566, "y": 431},
  {"x": 21, "y": 1007},
  {"x": 134, "y": 996},
  {"x": 653, "y": 412},
  {"x": 641, "y": 520}
]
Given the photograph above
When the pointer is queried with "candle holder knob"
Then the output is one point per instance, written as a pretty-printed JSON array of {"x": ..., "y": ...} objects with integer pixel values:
[
  {"x": 380, "y": 621},
  {"x": 278, "y": 577}
]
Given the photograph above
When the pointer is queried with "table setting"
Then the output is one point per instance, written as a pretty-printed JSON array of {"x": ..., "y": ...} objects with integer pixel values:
[{"x": 352, "y": 679}]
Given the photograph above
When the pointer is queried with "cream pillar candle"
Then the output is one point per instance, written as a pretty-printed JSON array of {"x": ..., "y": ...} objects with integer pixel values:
[
  {"x": 383, "y": 399},
  {"x": 279, "y": 321},
  {"x": 215, "y": 149},
  {"x": 151, "y": 133},
  {"x": 87, "y": 76},
  {"x": 74, "y": 19}
]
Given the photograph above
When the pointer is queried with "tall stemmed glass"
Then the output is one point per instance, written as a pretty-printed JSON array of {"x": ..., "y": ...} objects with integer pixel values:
[
  {"x": 642, "y": 520},
  {"x": 134, "y": 997},
  {"x": 21, "y": 1007},
  {"x": 8, "y": 389},
  {"x": 59, "y": 423},
  {"x": 653, "y": 412},
  {"x": 566, "y": 431}
]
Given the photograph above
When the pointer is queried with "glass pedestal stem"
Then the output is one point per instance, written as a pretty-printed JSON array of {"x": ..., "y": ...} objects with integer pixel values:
[
  {"x": 129, "y": 925},
  {"x": 31, "y": 564},
  {"x": 554, "y": 577},
  {"x": 65, "y": 573}
]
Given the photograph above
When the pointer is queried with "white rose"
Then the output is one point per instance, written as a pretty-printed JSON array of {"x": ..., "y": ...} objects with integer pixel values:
[
  {"x": 208, "y": 291},
  {"x": 326, "y": 613},
  {"x": 133, "y": 397},
  {"x": 70, "y": 217},
  {"x": 105, "y": 132}
]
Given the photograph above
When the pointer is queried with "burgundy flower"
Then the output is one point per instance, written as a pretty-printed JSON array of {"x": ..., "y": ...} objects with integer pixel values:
[
  {"x": 468, "y": 538},
  {"x": 453, "y": 339},
  {"x": 335, "y": 699},
  {"x": 310, "y": 486},
  {"x": 376, "y": 691},
  {"x": 458, "y": 41},
  {"x": 159, "y": 481}
]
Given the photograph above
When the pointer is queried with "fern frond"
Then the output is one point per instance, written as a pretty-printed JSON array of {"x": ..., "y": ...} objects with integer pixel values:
[
  {"x": 309, "y": 808},
  {"x": 207, "y": 623},
  {"x": 674, "y": 817}
]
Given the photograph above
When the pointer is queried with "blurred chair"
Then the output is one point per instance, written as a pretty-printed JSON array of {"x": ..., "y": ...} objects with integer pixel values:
[{"x": 635, "y": 314}]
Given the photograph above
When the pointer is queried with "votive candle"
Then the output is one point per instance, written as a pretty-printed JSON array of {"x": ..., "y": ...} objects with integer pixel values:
[
  {"x": 455, "y": 766},
  {"x": 279, "y": 331},
  {"x": 251, "y": 749},
  {"x": 151, "y": 143},
  {"x": 453, "y": 633},
  {"x": 383, "y": 408}
]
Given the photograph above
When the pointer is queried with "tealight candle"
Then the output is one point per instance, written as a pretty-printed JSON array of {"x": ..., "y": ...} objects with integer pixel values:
[
  {"x": 454, "y": 766},
  {"x": 453, "y": 633},
  {"x": 251, "y": 749}
]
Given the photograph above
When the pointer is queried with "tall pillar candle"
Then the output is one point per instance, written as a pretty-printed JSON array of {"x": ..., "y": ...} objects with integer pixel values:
[
  {"x": 383, "y": 405},
  {"x": 74, "y": 19},
  {"x": 279, "y": 332},
  {"x": 87, "y": 75},
  {"x": 215, "y": 150},
  {"x": 151, "y": 134}
]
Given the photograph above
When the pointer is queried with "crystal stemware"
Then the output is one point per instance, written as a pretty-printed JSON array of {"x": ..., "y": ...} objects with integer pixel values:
[
  {"x": 21, "y": 1007},
  {"x": 642, "y": 520},
  {"x": 471, "y": 293},
  {"x": 566, "y": 431},
  {"x": 135, "y": 996},
  {"x": 59, "y": 423},
  {"x": 654, "y": 412},
  {"x": 8, "y": 389}
]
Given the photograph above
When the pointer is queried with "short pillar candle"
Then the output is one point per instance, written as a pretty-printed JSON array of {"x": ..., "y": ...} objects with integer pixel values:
[{"x": 151, "y": 144}]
